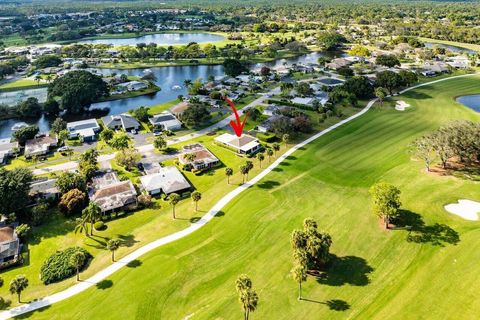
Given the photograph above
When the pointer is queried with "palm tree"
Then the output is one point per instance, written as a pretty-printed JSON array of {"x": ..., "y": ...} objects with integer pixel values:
[
  {"x": 113, "y": 245},
  {"x": 190, "y": 157},
  {"x": 244, "y": 171},
  {"x": 196, "y": 196},
  {"x": 260, "y": 158},
  {"x": 228, "y": 173},
  {"x": 92, "y": 213},
  {"x": 18, "y": 284},
  {"x": 187, "y": 83},
  {"x": 247, "y": 296},
  {"x": 276, "y": 147},
  {"x": 173, "y": 199},
  {"x": 76, "y": 261},
  {"x": 269, "y": 153},
  {"x": 81, "y": 226},
  {"x": 120, "y": 141},
  {"x": 286, "y": 138},
  {"x": 38, "y": 78}
]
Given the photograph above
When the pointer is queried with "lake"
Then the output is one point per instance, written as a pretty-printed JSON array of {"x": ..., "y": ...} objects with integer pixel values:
[
  {"x": 169, "y": 79},
  {"x": 160, "y": 39},
  {"x": 470, "y": 101},
  {"x": 450, "y": 47}
]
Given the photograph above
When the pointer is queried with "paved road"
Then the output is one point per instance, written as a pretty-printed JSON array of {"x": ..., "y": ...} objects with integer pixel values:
[
  {"x": 146, "y": 148},
  {"x": 108, "y": 271}
]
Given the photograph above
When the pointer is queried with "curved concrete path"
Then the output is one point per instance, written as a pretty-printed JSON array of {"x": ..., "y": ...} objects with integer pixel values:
[{"x": 108, "y": 271}]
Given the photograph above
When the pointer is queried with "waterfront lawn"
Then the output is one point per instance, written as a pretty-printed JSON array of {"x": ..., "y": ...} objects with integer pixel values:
[
  {"x": 375, "y": 274},
  {"x": 22, "y": 84}
]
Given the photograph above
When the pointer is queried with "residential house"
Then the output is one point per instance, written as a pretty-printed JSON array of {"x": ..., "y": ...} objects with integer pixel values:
[
  {"x": 44, "y": 189},
  {"x": 202, "y": 157},
  {"x": 179, "y": 108},
  {"x": 330, "y": 82},
  {"x": 40, "y": 146},
  {"x": 165, "y": 121},
  {"x": 167, "y": 180},
  {"x": 111, "y": 194},
  {"x": 459, "y": 62},
  {"x": 86, "y": 129},
  {"x": 7, "y": 149},
  {"x": 304, "y": 101},
  {"x": 9, "y": 245},
  {"x": 121, "y": 121},
  {"x": 132, "y": 86},
  {"x": 338, "y": 63},
  {"x": 245, "y": 144},
  {"x": 271, "y": 110}
]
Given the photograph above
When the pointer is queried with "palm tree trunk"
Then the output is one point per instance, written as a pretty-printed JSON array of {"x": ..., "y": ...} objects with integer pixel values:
[
  {"x": 228, "y": 179},
  {"x": 18, "y": 296},
  {"x": 78, "y": 275},
  {"x": 300, "y": 290},
  {"x": 173, "y": 208},
  {"x": 113, "y": 255}
]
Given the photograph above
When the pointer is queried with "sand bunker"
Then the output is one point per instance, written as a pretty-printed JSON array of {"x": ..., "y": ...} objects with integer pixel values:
[
  {"x": 467, "y": 209},
  {"x": 401, "y": 105}
]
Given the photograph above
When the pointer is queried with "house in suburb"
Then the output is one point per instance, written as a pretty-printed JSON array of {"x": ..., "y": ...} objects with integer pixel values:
[
  {"x": 40, "y": 146},
  {"x": 245, "y": 144},
  {"x": 121, "y": 121},
  {"x": 86, "y": 129},
  {"x": 167, "y": 180},
  {"x": 165, "y": 121},
  {"x": 9, "y": 245},
  {"x": 202, "y": 158},
  {"x": 132, "y": 86},
  {"x": 43, "y": 189},
  {"x": 7, "y": 149},
  {"x": 111, "y": 194}
]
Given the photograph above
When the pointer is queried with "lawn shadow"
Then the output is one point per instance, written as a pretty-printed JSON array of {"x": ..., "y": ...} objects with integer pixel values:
[
  {"x": 269, "y": 184},
  {"x": 337, "y": 305},
  {"x": 277, "y": 169},
  {"x": 437, "y": 234},
  {"x": 417, "y": 95},
  {"x": 286, "y": 164},
  {"x": 195, "y": 219},
  {"x": 53, "y": 228},
  {"x": 220, "y": 214},
  {"x": 128, "y": 240},
  {"x": 134, "y": 263},
  {"x": 104, "y": 284},
  {"x": 4, "y": 303},
  {"x": 291, "y": 158},
  {"x": 345, "y": 270}
]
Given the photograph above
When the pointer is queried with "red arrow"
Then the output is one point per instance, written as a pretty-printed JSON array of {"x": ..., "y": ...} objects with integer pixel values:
[{"x": 237, "y": 125}]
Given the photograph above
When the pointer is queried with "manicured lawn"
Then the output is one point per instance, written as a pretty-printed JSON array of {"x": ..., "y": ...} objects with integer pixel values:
[
  {"x": 22, "y": 84},
  {"x": 470, "y": 46},
  {"x": 376, "y": 274}
]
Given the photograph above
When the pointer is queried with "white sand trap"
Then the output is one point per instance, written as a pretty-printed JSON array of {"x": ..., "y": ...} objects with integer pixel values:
[
  {"x": 467, "y": 209},
  {"x": 401, "y": 105}
]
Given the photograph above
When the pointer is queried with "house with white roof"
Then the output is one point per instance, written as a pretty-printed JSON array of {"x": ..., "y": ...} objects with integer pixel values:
[
  {"x": 200, "y": 157},
  {"x": 165, "y": 121},
  {"x": 133, "y": 85},
  {"x": 121, "y": 121},
  {"x": 245, "y": 144},
  {"x": 167, "y": 180},
  {"x": 40, "y": 146},
  {"x": 7, "y": 148},
  {"x": 86, "y": 129},
  {"x": 111, "y": 194}
]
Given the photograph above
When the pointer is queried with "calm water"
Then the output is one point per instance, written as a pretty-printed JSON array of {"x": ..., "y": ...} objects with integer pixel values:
[
  {"x": 161, "y": 38},
  {"x": 471, "y": 101},
  {"x": 170, "y": 80},
  {"x": 450, "y": 47}
]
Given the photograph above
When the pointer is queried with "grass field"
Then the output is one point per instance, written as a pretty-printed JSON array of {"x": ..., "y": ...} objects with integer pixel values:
[
  {"x": 376, "y": 274},
  {"x": 21, "y": 84},
  {"x": 470, "y": 46}
]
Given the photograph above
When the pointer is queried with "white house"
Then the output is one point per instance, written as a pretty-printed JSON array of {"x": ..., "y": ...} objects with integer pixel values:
[
  {"x": 167, "y": 180},
  {"x": 245, "y": 144},
  {"x": 87, "y": 129},
  {"x": 165, "y": 121}
]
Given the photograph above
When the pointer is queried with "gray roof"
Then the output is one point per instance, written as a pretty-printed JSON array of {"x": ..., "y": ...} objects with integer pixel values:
[{"x": 124, "y": 120}]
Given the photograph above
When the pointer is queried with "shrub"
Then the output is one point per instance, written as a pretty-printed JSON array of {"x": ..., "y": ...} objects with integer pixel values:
[
  {"x": 99, "y": 226},
  {"x": 145, "y": 200},
  {"x": 39, "y": 213},
  {"x": 72, "y": 202},
  {"x": 22, "y": 230},
  {"x": 266, "y": 137},
  {"x": 57, "y": 267}
]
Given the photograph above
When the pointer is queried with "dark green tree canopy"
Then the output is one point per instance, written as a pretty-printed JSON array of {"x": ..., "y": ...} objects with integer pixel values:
[
  {"x": 14, "y": 189},
  {"x": 233, "y": 67},
  {"x": 77, "y": 90},
  {"x": 46, "y": 61}
]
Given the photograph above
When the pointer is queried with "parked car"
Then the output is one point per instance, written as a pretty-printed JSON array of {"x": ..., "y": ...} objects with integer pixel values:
[{"x": 133, "y": 131}]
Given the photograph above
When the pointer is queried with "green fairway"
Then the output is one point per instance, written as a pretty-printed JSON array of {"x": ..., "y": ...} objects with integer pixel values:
[{"x": 376, "y": 274}]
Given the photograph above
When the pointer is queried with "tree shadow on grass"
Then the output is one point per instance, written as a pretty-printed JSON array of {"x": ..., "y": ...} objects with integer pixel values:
[
  {"x": 127, "y": 240},
  {"x": 220, "y": 214},
  {"x": 418, "y": 95},
  {"x": 269, "y": 184},
  {"x": 104, "y": 284},
  {"x": 333, "y": 304},
  {"x": 345, "y": 270},
  {"x": 4, "y": 303},
  {"x": 277, "y": 169},
  {"x": 134, "y": 263},
  {"x": 291, "y": 158},
  {"x": 436, "y": 234},
  {"x": 194, "y": 219}
]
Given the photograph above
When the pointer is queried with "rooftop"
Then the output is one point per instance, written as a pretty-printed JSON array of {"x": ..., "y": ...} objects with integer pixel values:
[{"x": 168, "y": 179}]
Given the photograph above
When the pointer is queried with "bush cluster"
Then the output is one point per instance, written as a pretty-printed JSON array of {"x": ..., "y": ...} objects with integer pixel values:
[{"x": 57, "y": 267}]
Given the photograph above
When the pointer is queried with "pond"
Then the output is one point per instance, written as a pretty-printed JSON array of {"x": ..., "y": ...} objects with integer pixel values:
[
  {"x": 471, "y": 101},
  {"x": 160, "y": 38},
  {"x": 450, "y": 47},
  {"x": 169, "y": 79}
]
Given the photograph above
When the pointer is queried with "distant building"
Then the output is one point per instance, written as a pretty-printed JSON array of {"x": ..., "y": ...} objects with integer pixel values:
[
  {"x": 167, "y": 180},
  {"x": 9, "y": 246},
  {"x": 133, "y": 86},
  {"x": 202, "y": 157},
  {"x": 330, "y": 82},
  {"x": 305, "y": 101},
  {"x": 40, "y": 146},
  {"x": 111, "y": 194},
  {"x": 121, "y": 121},
  {"x": 178, "y": 109},
  {"x": 165, "y": 121},
  {"x": 7, "y": 149},
  {"x": 245, "y": 144},
  {"x": 87, "y": 129}
]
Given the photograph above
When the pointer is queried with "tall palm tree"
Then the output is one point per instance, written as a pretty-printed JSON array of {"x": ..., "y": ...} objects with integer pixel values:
[
  {"x": 260, "y": 158},
  {"x": 113, "y": 245},
  {"x": 196, "y": 196},
  {"x": 247, "y": 296},
  {"x": 269, "y": 153},
  {"x": 173, "y": 199},
  {"x": 276, "y": 147},
  {"x": 244, "y": 171},
  {"x": 81, "y": 226},
  {"x": 92, "y": 213},
  {"x": 228, "y": 173},
  {"x": 76, "y": 261}
]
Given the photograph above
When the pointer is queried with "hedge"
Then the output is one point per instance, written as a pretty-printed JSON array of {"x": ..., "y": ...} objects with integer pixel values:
[
  {"x": 291, "y": 104},
  {"x": 57, "y": 266},
  {"x": 266, "y": 137}
]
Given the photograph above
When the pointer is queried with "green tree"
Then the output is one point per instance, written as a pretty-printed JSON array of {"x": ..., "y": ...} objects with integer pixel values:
[
  {"x": 141, "y": 113},
  {"x": 359, "y": 51},
  {"x": 360, "y": 86},
  {"x": 386, "y": 201},
  {"x": 388, "y": 80},
  {"x": 160, "y": 143},
  {"x": 14, "y": 189},
  {"x": 29, "y": 108},
  {"x": 329, "y": 40},
  {"x": 46, "y": 61},
  {"x": 388, "y": 60},
  {"x": 77, "y": 90},
  {"x": 380, "y": 93},
  {"x": 128, "y": 158},
  {"x": 260, "y": 158},
  {"x": 76, "y": 261},
  {"x": 233, "y": 67},
  {"x": 173, "y": 199},
  {"x": 24, "y": 134},
  {"x": 72, "y": 202},
  {"x": 107, "y": 135},
  {"x": 269, "y": 153},
  {"x": 67, "y": 181},
  {"x": 58, "y": 125},
  {"x": 120, "y": 141},
  {"x": 286, "y": 139},
  {"x": 276, "y": 147},
  {"x": 17, "y": 285},
  {"x": 112, "y": 246},
  {"x": 228, "y": 173},
  {"x": 246, "y": 295},
  {"x": 299, "y": 271},
  {"x": 196, "y": 196},
  {"x": 424, "y": 148}
]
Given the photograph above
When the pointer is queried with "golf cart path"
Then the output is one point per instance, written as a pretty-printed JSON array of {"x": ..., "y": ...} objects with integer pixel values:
[{"x": 115, "y": 266}]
